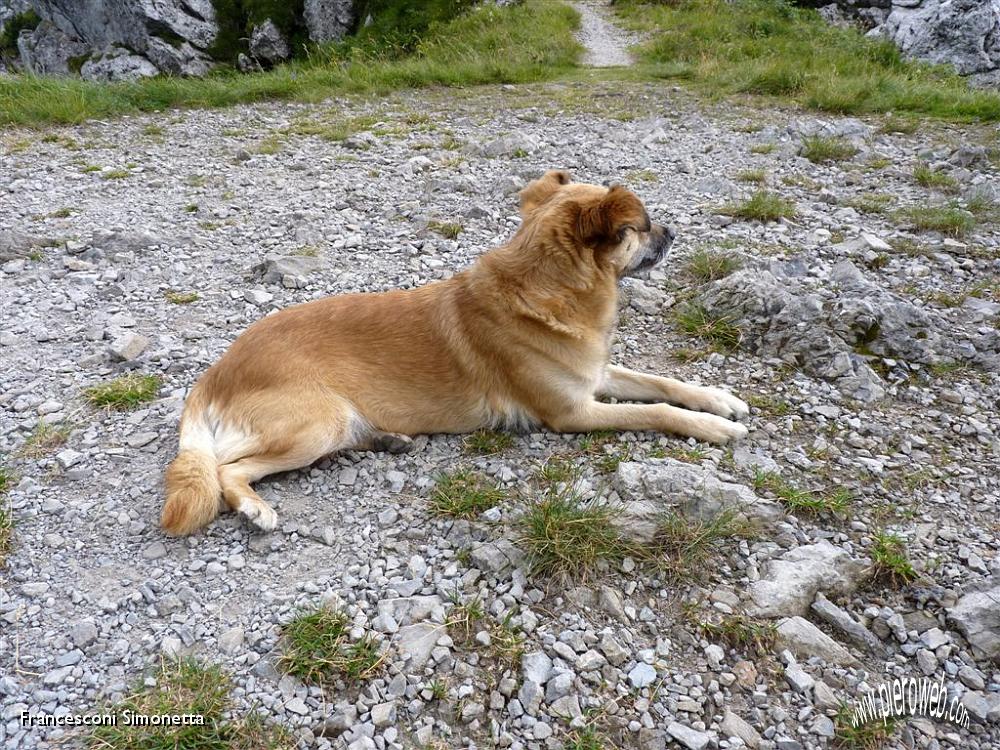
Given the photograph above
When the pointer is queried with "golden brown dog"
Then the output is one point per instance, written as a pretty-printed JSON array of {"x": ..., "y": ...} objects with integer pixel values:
[{"x": 520, "y": 338}]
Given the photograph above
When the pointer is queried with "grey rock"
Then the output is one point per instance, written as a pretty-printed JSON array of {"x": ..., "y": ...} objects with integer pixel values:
[
  {"x": 798, "y": 678},
  {"x": 384, "y": 714},
  {"x": 117, "y": 64},
  {"x": 536, "y": 667},
  {"x": 268, "y": 43},
  {"x": 804, "y": 639},
  {"x": 418, "y": 641},
  {"x": 47, "y": 50},
  {"x": 655, "y": 487},
  {"x": 642, "y": 675},
  {"x": 982, "y": 707},
  {"x": 977, "y": 616},
  {"x": 688, "y": 737},
  {"x": 328, "y": 20},
  {"x": 845, "y": 624},
  {"x": 83, "y": 633},
  {"x": 791, "y": 582},
  {"x": 733, "y": 726},
  {"x": 128, "y": 347},
  {"x": 231, "y": 641},
  {"x": 962, "y": 33}
]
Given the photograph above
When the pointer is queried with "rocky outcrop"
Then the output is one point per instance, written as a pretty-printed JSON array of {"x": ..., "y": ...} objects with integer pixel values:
[
  {"x": 961, "y": 33},
  {"x": 111, "y": 40},
  {"x": 839, "y": 330}
]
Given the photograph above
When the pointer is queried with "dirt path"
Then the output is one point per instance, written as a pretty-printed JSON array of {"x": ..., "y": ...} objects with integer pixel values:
[{"x": 607, "y": 44}]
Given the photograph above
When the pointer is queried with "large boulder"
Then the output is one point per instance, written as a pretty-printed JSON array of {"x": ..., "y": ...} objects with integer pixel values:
[
  {"x": 832, "y": 330},
  {"x": 962, "y": 33},
  {"x": 791, "y": 582},
  {"x": 113, "y": 39},
  {"x": 977, "y": 616},
  {"x": 328, "y": 20}
]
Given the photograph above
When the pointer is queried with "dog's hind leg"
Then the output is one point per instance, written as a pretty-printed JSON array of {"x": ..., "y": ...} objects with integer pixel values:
[{"x": 295, "y": 440}]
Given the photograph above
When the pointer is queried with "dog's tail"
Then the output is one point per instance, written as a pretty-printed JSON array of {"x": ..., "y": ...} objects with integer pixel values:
[{"x": 192, "y": 480}]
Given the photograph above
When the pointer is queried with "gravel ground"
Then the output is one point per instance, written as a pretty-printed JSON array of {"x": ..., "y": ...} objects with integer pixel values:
[
  {"x": 103, "y": 220},
  {"x": 607, "y": 44}
]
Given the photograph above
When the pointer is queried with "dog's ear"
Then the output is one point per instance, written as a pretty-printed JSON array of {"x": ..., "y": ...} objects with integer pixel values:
[
  {"x": 604, "y": 221},
  {"x": 538, "y": 191}
]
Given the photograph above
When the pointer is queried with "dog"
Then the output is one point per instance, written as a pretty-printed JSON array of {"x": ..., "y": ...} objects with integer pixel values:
[{"x": 519, "y": 339}]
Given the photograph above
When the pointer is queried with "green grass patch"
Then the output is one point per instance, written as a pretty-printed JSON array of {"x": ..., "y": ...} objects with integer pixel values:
[
  {"x": 27, "y": 20},
  {"x": 586, "y": 738},
  {"x": 718, "y": 330},
  {"x": 949, "y": 220},
  {"x": 771, "y": 48},
  {"x": 115, "y": 174},
  {"x": 124, "y": 392},
  {"x": 529, "y": 42},
  {"x": 487, "y": 442},
  {"x": 317, "y": 649},
  {"x": 464, "y": 494},
  {"x": 762, "y": 148},
  {"x": 764, "y": 205},
  {"x": 683, "y": 547},
  {"x": 757, "y": 176},
  {"x": 447, "y": 229},
  {"x": 7, "y": 479},
  {"x": 44, "y": 439},
  {"x": 181, "y": 298},
  {"x": 705, "y": 265},
  {"x": 890, "y": 560},
  {"x": 798, "y": 500},
  {"x": 895, "y": 124},
  {"x": 820, "y": 150},
  {"x": 741, "y": 632},
  {"x": 870, "y": 735},
  {"x": 187, "y": 687},
  {"x": 926, "y": 177},
  {"x": 871, "y": 203},
  {"x": 566, "y": 537}
]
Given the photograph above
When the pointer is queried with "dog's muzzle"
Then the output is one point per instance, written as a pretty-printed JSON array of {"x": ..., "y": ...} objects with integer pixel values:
[{"x": 660, "y": 239}]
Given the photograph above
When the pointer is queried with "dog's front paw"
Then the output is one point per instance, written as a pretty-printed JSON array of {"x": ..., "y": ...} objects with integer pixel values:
[
  {"x": 716, "y": 429},
  {"x": 723, "y": 403}
]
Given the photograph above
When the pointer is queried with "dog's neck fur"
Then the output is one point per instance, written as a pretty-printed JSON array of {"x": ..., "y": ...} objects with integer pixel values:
[{"x": 541, "y": 281}]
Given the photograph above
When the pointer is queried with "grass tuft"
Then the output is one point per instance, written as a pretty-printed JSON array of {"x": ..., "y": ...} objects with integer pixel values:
[
  {"x": 181, "y": 298},
  {"x": 464, "y": 494},
  {"x": 487, "y": 442},
  {"x": 871, "y": 735},
  {"x": 6, "y": 517},
  {"x": 742, "y": 632},
  {"x": 448, "y": 229},
  {"x": 924, "y": 176},
  {"x": 890, "y": 560},
  {"x": 187, "y": 687},
  {"x": 820, "y": 150},
  {"x": 763, "y": 205},
  {"x": 717, "y": 329},
  {"x": 566, "y": 537},
  {"x": 317, "y": 648},
  {"x": 683, "y": 546},
  {"x": 948, "y": 220},
  {"x": 758, "y": 176},
  {"x": 44, "y": 439},
  {"x": 706, "y": 265},
  {"x": 125, "y": 392},
  {"x": 799, "y": 500}
]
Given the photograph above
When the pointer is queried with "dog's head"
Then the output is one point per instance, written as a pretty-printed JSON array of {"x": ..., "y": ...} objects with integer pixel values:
[{"x": 609, "y": 222}]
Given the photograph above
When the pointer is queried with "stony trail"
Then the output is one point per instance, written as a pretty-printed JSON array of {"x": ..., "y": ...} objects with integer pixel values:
[
  {"x": 606, "y": 43},
  {"x": 867, "y": 348}
]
